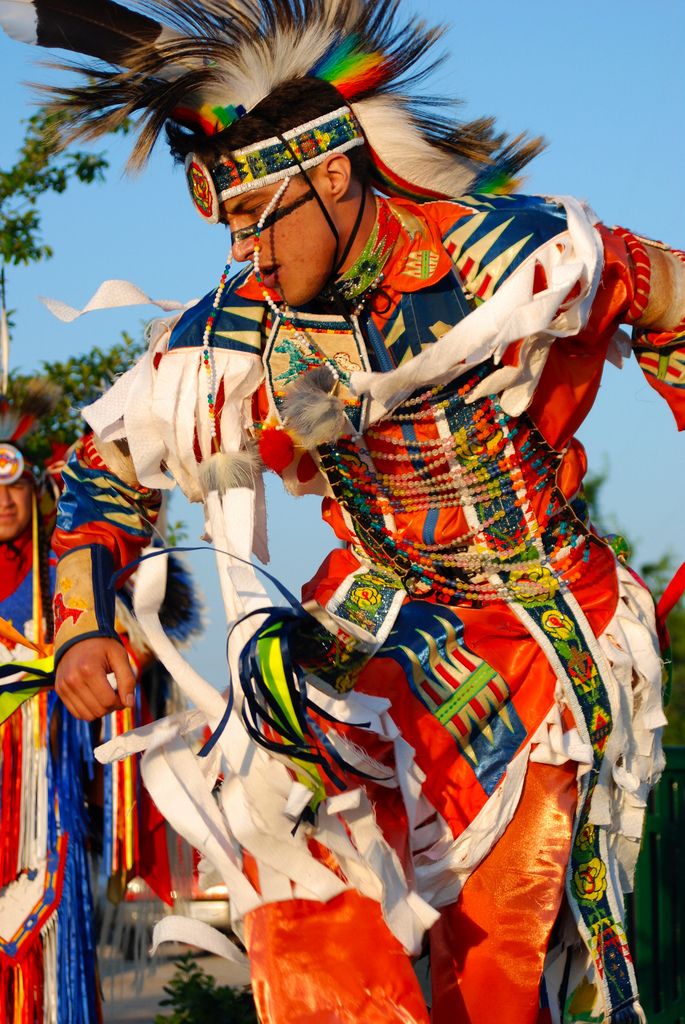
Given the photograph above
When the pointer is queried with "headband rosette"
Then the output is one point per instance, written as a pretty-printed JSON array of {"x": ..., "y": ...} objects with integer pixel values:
[{"x": 201, "y": 188}]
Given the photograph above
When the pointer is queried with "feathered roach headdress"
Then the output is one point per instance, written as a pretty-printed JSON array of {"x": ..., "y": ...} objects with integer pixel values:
[
  {"x": 205, "y": 64},
  {"x": 23, "y": 449},
  {"x": 24, "y": 403}
]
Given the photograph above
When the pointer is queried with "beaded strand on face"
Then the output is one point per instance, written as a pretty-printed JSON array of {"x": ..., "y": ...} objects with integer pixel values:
[
  {"x": 283, "y": 313},
  {"x": 270, "y": 206},
  {"x": 208, "y": 355}
]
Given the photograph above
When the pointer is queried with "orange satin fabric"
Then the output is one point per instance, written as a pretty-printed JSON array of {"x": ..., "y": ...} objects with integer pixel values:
[
  {"x": 488, "y": 949},
  {"x": 330, "y": 963}
]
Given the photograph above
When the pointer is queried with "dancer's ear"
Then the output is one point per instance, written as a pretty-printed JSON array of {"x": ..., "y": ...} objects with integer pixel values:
[{"x": 334, "y": 178}]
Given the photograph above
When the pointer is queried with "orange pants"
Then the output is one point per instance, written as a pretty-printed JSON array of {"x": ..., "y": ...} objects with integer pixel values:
[
  {"x": 330, "y": 963},
  {"x": 337, "y": 962},
  {"x": 488, "y": 948}
]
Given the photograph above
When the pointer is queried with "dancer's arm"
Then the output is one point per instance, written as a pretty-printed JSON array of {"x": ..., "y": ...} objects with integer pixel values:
[{"x": 105, "y": 519}]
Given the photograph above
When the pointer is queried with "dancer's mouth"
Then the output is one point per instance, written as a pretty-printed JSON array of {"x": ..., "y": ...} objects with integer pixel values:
[{"x": 269, "y": 276}]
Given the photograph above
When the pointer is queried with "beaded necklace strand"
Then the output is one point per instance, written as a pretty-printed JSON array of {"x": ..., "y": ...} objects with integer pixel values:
[
  {"x": 357, "y": 283},
  {"x": 208, "y": 355},
  {"x": 456, "y": 569},
  {"x": 300, "y": 338}
]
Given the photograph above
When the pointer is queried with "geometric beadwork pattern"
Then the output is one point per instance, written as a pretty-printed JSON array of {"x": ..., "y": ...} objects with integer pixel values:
[
  {"x": 465, "y": 694},
  {"x": 589, "y": 885}
]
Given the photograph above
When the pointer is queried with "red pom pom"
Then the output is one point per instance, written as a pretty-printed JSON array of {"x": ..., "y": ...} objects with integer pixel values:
[{"x": 276, "y": 448}]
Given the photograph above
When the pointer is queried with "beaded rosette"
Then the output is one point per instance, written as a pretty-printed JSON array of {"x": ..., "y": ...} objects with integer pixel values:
[{"x": 11, "y": 464}]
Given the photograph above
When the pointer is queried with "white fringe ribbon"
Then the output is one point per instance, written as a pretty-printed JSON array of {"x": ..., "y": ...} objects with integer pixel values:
[{"x": 516, "y": 312}]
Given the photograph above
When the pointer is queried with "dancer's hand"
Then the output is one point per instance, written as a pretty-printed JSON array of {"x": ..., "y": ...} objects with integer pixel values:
[{"x": 95, "y": 677}]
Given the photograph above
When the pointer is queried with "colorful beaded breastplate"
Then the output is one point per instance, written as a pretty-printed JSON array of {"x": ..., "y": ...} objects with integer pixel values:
[{"x": 469, "y": 476}]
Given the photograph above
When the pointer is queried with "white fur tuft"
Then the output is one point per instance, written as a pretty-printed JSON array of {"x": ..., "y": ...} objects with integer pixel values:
[
  {"x": 313, "y": 413},
  {"x": 224, "y": 471}
]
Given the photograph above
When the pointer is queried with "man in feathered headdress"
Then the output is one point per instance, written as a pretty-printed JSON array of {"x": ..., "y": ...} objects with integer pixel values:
[{"x": 456, "y": 733}]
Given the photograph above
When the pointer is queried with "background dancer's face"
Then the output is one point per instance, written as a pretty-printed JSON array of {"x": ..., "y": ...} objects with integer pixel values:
[
  {"x": 15, "y": 509},
  {"x": 298, "y": 249}
]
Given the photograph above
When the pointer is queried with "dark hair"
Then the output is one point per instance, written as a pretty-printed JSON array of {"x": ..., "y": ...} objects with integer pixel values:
[
  {"x": 291, "y": 104},
  {"x": 44, "y": 568}
]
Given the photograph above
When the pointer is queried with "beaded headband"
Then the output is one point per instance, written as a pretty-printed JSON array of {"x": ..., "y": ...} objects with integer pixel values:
[{"x": 270, "y": 160}]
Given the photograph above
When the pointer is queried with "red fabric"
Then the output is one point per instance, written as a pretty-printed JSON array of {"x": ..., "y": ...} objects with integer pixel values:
[
  {"x": 488, "y": 949},
  {"x": 15, "y": 562},
  {"x": 675, "y": 399},
  {"x": 661, "y": 357},
  {"x": 153, "y": 864},
  {"x": 23, "y": 984},
  {"x": 668, "y": 601},
  {"x": 333, "y": 570},
  {"x": 10, "y": 797},
  {"x": 573, "y": 371}
]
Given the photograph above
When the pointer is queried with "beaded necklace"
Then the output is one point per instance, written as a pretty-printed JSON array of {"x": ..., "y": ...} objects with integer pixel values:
[
  {"x": 300, "y": 338},
  {"x": 459, "y": 569},
  {"x": 357, "y": 282},
  {"x": 208, "y": 356},
  {"x": 366, "y": 273},
  {"x": 208, "y": 334}
]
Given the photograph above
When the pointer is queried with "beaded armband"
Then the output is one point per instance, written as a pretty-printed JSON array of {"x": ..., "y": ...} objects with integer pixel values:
[
  {"x": 84, "y": 597},
  {"x": 643, "y": 271},
  {"x": 353, "y": 626},
  {"x": 638, "y": 249}
]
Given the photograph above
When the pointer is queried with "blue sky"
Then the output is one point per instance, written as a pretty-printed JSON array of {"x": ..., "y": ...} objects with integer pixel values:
[{"x": 603, "y": 82}]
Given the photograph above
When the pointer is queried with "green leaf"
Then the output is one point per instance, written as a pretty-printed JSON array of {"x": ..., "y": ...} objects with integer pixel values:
[
  {"x": 42, "y": 165},
  {"x": 195, "y": 996}
]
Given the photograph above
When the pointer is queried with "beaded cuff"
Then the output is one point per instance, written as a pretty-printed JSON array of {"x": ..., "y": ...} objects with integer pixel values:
[{"x": 84, "y": 597}]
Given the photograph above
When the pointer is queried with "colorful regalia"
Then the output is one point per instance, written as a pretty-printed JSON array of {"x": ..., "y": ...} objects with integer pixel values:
[
  {"x": 449, "y": 743},
  {"x": 56, "y": 811},
  {"x": 47, "y": 941}
]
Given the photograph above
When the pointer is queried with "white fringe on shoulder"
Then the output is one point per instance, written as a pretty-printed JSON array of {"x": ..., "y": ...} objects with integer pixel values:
[{"x": 572, "y": 260}]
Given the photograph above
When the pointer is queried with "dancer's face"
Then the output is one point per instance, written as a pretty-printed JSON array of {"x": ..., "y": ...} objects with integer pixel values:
[
  {"x": 298, "y": 251},
  {"x": 15, "y": 508}
]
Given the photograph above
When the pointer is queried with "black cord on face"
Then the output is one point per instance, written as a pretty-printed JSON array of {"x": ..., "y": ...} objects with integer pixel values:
[
  {"x": 305, "y": 175},
  {"x": 329, "y": 220},
  {"x": 278, "y": 214},
  {"x": 353, "y": 234}
]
